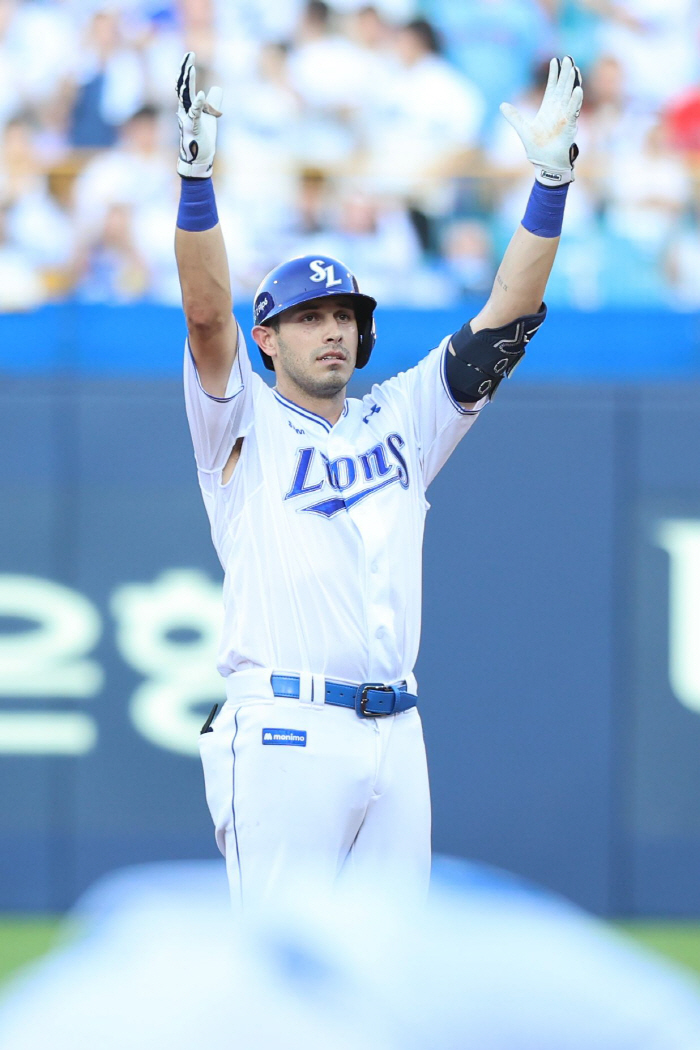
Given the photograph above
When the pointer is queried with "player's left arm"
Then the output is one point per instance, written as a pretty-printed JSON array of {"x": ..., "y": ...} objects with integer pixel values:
[{"x": 488, "y": 348}]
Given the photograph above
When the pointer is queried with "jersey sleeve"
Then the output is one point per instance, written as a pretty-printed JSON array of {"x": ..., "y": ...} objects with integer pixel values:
[
  {"x": 422, "y": 396},
  {"x": 217, "y": 422}
]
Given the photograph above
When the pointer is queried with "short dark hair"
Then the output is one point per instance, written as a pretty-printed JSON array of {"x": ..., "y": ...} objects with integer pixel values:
[
  {"x": 318, "y": 11},
  {"x": 426, "y": 33},
  {"x": 146, "y": 112}
]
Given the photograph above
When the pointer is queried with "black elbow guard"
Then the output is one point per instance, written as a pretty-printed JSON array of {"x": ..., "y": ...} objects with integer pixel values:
[{"x": 476, "y": 363}]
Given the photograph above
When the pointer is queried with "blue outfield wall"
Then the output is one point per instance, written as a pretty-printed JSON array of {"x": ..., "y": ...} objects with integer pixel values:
[
  {"x": 560, "y": 664},
  {"x": 96, "y": 340}
]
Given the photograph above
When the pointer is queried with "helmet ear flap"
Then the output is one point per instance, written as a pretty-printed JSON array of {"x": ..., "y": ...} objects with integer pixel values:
[{"x": 367, "y": 332}]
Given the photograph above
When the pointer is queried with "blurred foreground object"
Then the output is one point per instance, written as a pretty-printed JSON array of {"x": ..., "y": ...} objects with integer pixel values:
[{"x": 491, "y": 963}]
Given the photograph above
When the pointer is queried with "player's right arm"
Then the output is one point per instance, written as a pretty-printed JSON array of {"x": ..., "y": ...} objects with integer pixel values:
[{"x": 199, "y": 244}]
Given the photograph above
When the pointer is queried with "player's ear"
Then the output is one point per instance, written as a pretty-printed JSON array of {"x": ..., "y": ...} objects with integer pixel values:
[{"x": 266, "y": 338}]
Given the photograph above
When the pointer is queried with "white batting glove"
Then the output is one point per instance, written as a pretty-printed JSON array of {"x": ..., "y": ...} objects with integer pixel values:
[
  {"x": 549, "y": 137},
  {"x": 197, "y": 117}
]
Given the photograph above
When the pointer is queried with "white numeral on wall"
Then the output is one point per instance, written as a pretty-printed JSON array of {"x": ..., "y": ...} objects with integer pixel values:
[
  {"x": 680, "y": 537},
  {"x": 181, "y": 673},
  {"x": 47, "y": 660}
]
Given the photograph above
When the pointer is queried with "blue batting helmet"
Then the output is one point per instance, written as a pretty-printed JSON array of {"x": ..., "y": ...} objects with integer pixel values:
[{"x": 314, "y": 277}]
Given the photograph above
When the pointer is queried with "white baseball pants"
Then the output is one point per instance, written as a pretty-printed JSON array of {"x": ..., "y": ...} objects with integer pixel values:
[{"x": 301, "y": 791}]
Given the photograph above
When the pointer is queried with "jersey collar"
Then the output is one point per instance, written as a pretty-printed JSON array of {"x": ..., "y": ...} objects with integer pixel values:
[{"x": 306, "y": 413}]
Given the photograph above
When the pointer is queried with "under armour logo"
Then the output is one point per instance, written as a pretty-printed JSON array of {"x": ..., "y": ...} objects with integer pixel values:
[
  {"x": 373, "y": 409},
  {"x": 322, "y": 272}
]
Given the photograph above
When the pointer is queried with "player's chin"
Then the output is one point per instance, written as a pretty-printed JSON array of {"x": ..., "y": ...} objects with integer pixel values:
[
  {"x": 336, "y": 367},
  {"x": 331, "y": 383}
]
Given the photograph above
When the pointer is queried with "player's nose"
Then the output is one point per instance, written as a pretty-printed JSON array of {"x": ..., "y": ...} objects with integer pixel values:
[{"x": 333, "y": 332}]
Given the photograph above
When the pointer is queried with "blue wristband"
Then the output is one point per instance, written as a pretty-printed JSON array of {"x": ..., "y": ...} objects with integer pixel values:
[
  {"x": 545, "y": 210},
  {"x": 197, "y": 211}
]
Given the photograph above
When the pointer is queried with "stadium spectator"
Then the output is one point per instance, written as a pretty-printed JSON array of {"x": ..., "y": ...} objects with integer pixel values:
[
  {"x": 611, "y": 125},
  {"x": 38, "y": 49},
  {"x": 136, "y": 172},
  {"x": 394, "y": 11},
  {"x": 375, "y": 238},
  {"x": 423, "y": 125},
  {"x": 311, "y": 214},
  {"x": 681, "y": 266},
  {"x": 648, "y": 190},
  {"x": 655, "y": 42},
  {"x": 577, "y": 28},
  {"x": 611, "y": 122},
  {"x": 682, "y": 120},
  {"x": 497, "y": 44},
  {"x": 109, "y": 83},
  {"x": 35, "y": 223},
  {"x": 21, "y": 286},
  {"x": 469, "y": 260},
  {"x": 325, "y": 71},
  {"x": 264, "y": 129},
  {"x": 109, "y": 267},
  {"x": 375, "y": 56},
  {"x": 259, "y": 21},
  {"x": 225, "y": 38},
  {"x": 322, "y": 61}
]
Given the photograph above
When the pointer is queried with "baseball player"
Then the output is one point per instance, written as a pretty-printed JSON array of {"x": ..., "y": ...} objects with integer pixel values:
[{"x": 316, "y": 761}]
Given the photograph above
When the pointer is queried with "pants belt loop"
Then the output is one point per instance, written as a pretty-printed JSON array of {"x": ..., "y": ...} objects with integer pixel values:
[
  {"x": 318, "y": 690},
  {"x": 306, "y": 687}
]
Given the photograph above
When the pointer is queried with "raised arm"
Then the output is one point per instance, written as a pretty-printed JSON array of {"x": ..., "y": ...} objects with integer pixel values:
[
  {"x": 549, "y": 143},
  {"x": 487, "y": 349},
  {"x": 520, "y": 281},
  {"x": 199, "y": 244}
]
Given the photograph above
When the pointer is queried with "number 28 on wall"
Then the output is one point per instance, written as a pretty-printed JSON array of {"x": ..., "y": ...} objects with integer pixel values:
[{"x": 167, "y": 631}]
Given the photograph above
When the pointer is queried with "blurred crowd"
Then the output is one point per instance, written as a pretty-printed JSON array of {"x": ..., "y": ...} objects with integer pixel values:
[{"x": 370, "y": 132}]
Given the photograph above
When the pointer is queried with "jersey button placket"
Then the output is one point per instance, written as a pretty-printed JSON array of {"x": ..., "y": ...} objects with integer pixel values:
[
  {"x": 379, "y": 615},
  {"x": 368, "y": 517}
]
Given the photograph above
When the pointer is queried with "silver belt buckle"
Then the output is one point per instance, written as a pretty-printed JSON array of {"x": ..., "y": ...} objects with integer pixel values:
[{"x": 361, "y": 703}]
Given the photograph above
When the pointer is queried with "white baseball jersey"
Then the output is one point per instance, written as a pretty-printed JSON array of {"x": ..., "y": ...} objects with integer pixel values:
[
  {"x": 320, "y": 528},
  {"x": 319, "y": 531}
]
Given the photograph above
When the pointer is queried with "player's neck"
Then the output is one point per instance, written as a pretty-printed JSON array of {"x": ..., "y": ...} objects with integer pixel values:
[{"x": 329, "y": 408}]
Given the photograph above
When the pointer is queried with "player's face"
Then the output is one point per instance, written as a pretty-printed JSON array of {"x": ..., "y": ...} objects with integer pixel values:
[{"x": 316, "y": 346}]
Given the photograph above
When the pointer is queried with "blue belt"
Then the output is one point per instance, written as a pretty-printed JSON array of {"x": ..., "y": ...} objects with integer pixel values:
[{"x": 370, "y": 700}]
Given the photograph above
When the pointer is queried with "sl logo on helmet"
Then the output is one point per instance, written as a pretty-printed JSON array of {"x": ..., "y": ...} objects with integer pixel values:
[{"x": 321, "y": 272}]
